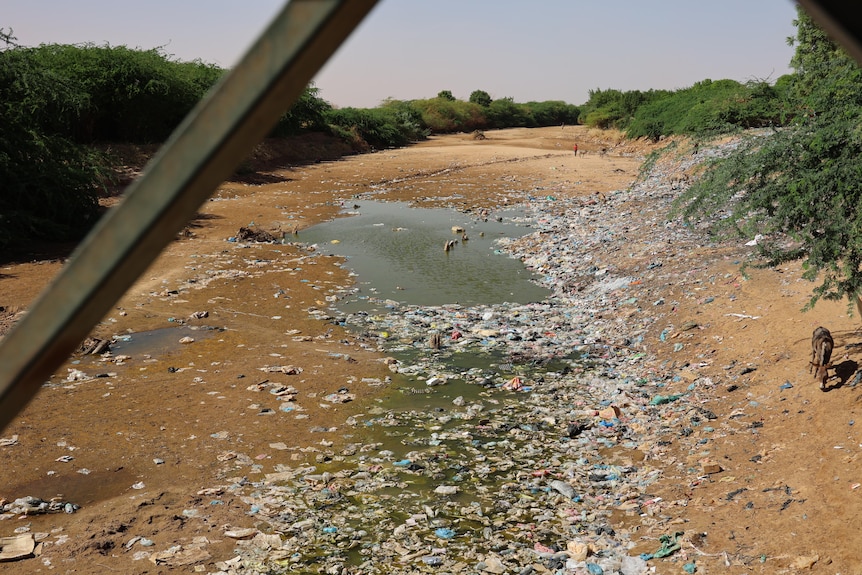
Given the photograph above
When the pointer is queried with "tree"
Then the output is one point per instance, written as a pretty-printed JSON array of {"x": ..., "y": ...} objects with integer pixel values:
[
  {"x": 446, "y": 95},
  {"x": 481, "y": 97},
  {"x": 801, "y": 186},
  {"x": 505, "y": 113},
  {"x": 49, "y": 184},
  {"x": 308, "y": 114}
]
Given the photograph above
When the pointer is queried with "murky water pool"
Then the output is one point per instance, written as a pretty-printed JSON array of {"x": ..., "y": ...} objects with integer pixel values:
[
  {"x": 158, "y": 341},
  {"x": 398, "y": 253}
]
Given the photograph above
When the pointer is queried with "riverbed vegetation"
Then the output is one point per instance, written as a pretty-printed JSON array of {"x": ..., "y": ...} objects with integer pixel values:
[{"x": 65, "y": 105}]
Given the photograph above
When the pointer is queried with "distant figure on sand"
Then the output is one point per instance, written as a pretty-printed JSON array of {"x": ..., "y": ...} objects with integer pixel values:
[{"x": 575, "y": 148}]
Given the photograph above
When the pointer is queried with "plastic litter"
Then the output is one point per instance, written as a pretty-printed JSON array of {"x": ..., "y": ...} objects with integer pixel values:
[
  {"x": 669, "y": 545},
  {"x": 457, "y": 477},
  {"x": 662, "y": 399},
  {"x": 35, "y": 506}
]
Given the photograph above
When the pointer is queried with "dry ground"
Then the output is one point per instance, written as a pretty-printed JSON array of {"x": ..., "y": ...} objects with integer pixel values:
[{"x": 786, "y": 497}]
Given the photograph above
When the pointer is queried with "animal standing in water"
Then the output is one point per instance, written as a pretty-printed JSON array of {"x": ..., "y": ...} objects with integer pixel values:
[
  {"x": 436, "y": 341},
  {"x": 821, "y": 353}
]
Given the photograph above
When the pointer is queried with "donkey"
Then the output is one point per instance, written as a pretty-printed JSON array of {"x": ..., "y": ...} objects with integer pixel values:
[{"x": 821, "y": 352}]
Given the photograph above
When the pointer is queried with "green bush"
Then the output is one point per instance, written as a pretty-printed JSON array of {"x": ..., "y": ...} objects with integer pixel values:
[
  {"x": 308, "y": 114},
  {"x": 137, "y": 96},
  {"x": 709, "y": 108},
  {"x": 49, "y": 183},
  {"x": 59, "y": 100},
  {"x": 505, "y": 113},
  {"x": 442, "y": 115},
  {"x": 552, "y": 113},
  {"x": 613, "y": 108},
  {"x": 602, "y": 119},
  {"x": 407, "y": 118},
  {"x": 446, "y": 95},
  {"x": 798, "y": 186},
  {"x": 392, "y": 125},
  {"x": 481, "y": 97}
]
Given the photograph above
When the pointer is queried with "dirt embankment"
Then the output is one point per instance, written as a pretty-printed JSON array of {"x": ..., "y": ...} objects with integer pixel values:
[{"x": 140, "y": 446}]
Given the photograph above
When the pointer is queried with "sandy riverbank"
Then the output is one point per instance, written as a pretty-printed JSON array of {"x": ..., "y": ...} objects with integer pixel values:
[{"x": 192, "y": 408}]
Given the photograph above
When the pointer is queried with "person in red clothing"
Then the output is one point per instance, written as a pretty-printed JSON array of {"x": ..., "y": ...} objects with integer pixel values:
[{"x": 575, "y": 148}]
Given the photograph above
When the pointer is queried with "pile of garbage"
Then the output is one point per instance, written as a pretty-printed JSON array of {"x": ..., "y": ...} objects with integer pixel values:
[
  {"x": 540, "y": 461},
  {"x": 30, "y": 505}
]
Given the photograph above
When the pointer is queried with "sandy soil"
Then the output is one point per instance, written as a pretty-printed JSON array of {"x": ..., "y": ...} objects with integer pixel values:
[{"x": 784, "y": 500}]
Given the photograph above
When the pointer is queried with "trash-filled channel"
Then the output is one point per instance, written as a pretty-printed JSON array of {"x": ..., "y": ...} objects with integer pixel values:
[{"x": 518, "y": 431}]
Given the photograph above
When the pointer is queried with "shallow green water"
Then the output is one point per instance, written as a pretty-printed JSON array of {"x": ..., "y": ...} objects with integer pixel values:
[{"x": 397, "y": 253}]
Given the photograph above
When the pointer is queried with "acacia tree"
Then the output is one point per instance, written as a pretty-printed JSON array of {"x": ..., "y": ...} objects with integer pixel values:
[
  {"x": 800, "y": 187},
  {"x": 481, "y": 97},
  {"x": 48, "y": 183}
]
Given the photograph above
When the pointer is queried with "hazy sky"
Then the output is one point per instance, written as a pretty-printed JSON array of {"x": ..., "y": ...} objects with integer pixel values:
[{"x": 529, "y": 50}]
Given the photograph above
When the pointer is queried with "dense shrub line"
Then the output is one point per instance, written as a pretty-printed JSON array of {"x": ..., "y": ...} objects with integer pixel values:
[
  {"x": 63, "y": 103},
  {"x": 706, "y": 109}
]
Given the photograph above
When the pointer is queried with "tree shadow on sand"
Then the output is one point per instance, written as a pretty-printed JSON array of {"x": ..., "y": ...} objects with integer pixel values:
[{"x": 47, "y": 251}]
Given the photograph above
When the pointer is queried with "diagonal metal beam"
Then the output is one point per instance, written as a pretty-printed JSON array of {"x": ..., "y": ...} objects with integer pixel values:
[
  {"x": 203, "y": 151},
  {"x": 840, "y": 20}
]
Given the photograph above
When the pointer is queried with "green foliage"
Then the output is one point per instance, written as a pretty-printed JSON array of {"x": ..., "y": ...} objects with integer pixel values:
[
  {"x": 601, "y": 119},
  {"x": 132, "y": 95},
  {"x": 308, "y": 114},
  {"x": 613, "y": 108},
  {"x": 408, "y": 119},
  {"x": 706, "y": 109},
  {"x": 552, "y": 113},
  {"x": 481, "y": 97},
  {"x": 446, "y": 95},
  {"x": 441, "y": 115},
  {"x": 138, "y": 96},
  {"x": 42, "y": 197},
  {"x": 709, "y": 108},
  {"x": 58, "y": 100},
  {"x": 505, "y": 113},
  {"x": 49, "y": 184},
  {"x": 798, "y": 186},
  {"x": 392, "y": 125}
]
